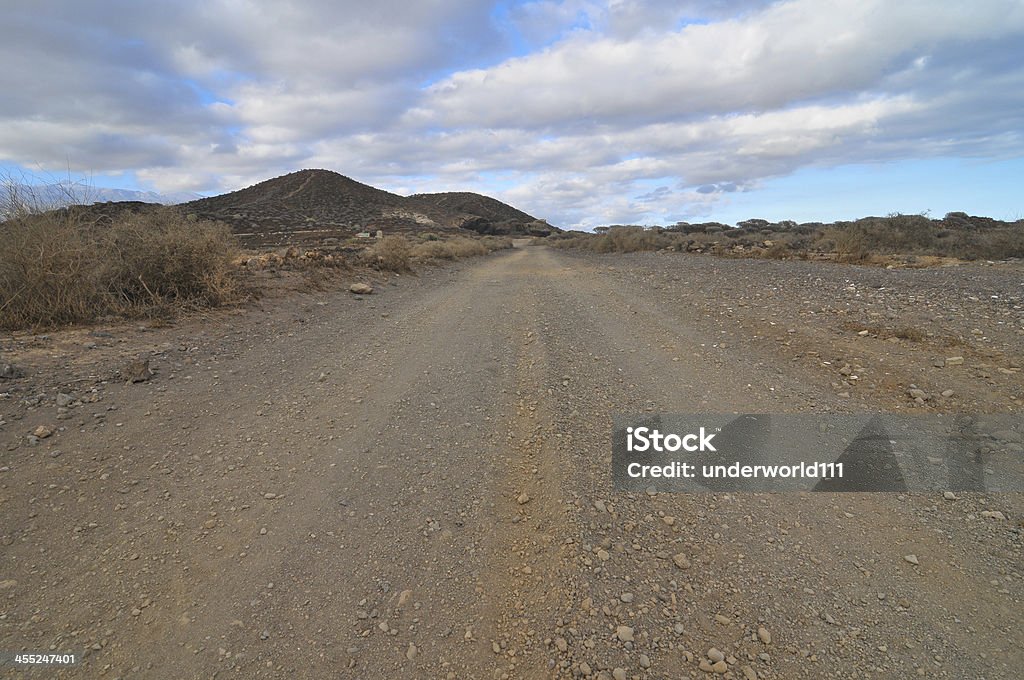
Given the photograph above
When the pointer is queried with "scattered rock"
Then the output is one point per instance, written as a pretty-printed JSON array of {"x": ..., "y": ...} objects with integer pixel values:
[
  {"x": 523, "y": 499},
  {"x": 763, "y": 635},
  {"x": 10, "y": 372},
  {"x": 624, "y": 633},
  {"x": 954, "y": 361},
  {"x": 681, "y": 561},
  {"x": 361, "y": 289},
  {"x": 912, "y": 559},
  {"x": 138, "y": 371},
  {"x": 410, "y": 653},
  {"x": 716, "y": 655},
  {"x": 992, "y": 514},
  {"x": 42, "y": 432}
]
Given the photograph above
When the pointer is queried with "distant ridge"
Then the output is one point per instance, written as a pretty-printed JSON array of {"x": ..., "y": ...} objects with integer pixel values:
[{"x": 317, "y": 202}]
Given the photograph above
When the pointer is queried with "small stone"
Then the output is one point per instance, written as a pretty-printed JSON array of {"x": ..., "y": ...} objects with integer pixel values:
[
  {"x": 678, "y": 629},
  {"x": 585, "y": 669},
  {"x": 561, "y": 645},
  {"x": 270, "y": 496},
  {"x": 523, "y": 499},
  {"x": 954, "y": 361},
  {"x": 720, "y": 667},
  {"x": 63, "y": 399},
  {"x": 681, "y": 561},
  {"x": 716, "y": 655},
  {"x": 911, "y": 558},
  {"x": 626, "y": 597},
  {"x": 705, "y": 666},
  {"x": 361, "y": 289},
  {"x": 138, "y": 371},
  {"x": 619, "y": 674},
  {"x": 645, "y": 661},
  {"x": 749, "y": 673},
  {"x": 411, "y": 652},
  {"x": 42, "y": 432},
  {"x": 496, "y": 648},
  {"x": 948, "y": 393},
  {"x": 624, "y": 633},
  {"x": 949, "y": 495},
  {"x": 992, "y": 514},
  {"x": 763, "y": 635},
  {"x": 724, "y": 620}
]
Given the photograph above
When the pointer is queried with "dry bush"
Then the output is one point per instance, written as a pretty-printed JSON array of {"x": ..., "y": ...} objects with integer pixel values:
[
  {"x": 851, "y": 244},
  {"x": 433, "y": 250},
  {"x": 458, "y": 247},
  {"x": 391, "y": 253},
  {"x": 163, "y": 258},
  {"x": 494, "y": 243},
  {"x": 778, "y": 250},
  {"x": 59, "y": 268}
]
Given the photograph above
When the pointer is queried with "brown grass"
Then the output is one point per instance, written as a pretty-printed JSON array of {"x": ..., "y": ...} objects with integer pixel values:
[
  {"x": 59, "y": 268},
  {"x": 391, "y": 253}
]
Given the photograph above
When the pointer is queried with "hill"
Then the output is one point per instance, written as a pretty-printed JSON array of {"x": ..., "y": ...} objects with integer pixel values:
[
  {"x": 309, "y": 205},
  {"x": 494, "y": 216}
]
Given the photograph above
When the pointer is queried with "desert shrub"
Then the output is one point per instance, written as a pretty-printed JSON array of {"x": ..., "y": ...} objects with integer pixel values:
[
  {"x": 163, "y": 258},
  {"x": 466, "y": 247},
  {"x": 459, "y": 247},
  {"x": 778, "y": 250},
  {"x": 493, "y": 243},
  {"x": 850, "y": 243},
  {"x": 59, "y": 267},
  {"x": 391, "y": 253}
]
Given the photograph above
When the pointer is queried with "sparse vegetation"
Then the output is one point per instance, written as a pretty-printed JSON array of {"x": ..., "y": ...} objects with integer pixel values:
[
  {"x": 62, "y": 267},
  {"x": 392, "y": 253},
  {"x": 459, "y": 247},
  {"x": 910, "y": 239}
]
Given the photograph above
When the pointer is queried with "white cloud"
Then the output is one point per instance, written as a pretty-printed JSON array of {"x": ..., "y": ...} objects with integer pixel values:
[{"x": 613, "y": 100}]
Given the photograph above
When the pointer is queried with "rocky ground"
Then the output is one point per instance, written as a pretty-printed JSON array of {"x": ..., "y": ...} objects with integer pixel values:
[{"x": 416, "y": 483}]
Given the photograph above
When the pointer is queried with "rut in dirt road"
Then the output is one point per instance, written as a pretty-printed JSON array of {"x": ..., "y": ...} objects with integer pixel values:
[{"x": 417, "y": 485}]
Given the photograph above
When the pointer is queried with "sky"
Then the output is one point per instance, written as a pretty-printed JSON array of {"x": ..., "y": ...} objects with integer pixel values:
[{"x": 580, "y": 112}]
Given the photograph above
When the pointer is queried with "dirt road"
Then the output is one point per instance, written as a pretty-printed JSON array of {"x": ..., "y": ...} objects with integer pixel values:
[{"x": 416, "y": 484}]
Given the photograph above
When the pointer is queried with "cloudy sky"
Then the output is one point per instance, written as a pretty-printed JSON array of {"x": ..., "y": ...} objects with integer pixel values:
[{"x": 582, "y": 112}]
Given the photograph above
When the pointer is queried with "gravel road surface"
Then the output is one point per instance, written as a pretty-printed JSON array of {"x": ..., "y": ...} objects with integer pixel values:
[{"x": 416, "y": 483}]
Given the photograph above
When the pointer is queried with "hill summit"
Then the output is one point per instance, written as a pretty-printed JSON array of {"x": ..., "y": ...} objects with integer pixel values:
[{"x": 317, "y": 203}]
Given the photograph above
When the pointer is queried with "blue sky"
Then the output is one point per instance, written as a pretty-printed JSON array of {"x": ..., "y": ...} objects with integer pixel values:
[{"x": 582, "y": 112}]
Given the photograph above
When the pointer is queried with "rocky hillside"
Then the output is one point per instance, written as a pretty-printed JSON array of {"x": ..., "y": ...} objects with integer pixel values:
[
  {"x": 494, "y": 217},
  {"x": 310, "y": 205}
]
